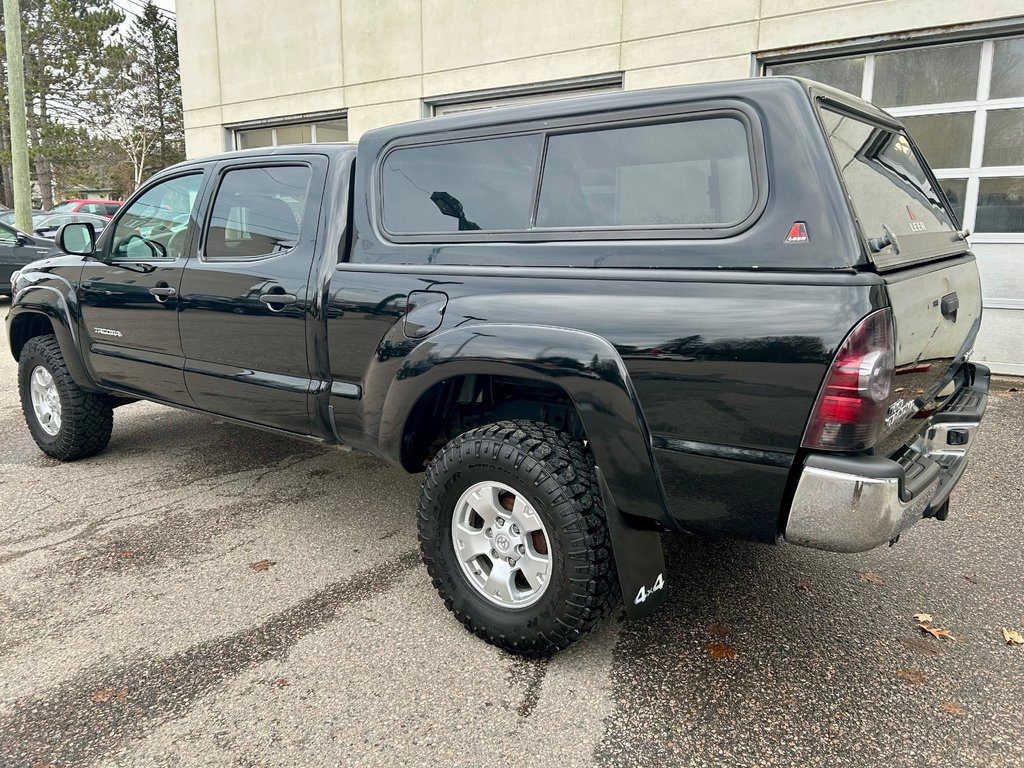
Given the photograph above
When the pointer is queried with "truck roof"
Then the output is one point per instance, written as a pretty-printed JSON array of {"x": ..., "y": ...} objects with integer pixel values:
[{"x": 755, "y": 89}]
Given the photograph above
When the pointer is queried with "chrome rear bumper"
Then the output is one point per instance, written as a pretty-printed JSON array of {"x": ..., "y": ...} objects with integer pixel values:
[{"x": 857, "y": 503}]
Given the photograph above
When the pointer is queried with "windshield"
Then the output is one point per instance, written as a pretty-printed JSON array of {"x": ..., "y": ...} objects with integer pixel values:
[
  {"x": 62, "y": 207},
  {"x": 891, "y": 191}
]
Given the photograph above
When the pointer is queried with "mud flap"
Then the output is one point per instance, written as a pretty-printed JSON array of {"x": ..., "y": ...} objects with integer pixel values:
[{"x": 639, "y": 559}]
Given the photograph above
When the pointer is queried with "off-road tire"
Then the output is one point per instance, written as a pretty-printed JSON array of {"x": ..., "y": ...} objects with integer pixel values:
[
  {"x": 556, "y": 474},
  {"x": 87, "y": 418}
]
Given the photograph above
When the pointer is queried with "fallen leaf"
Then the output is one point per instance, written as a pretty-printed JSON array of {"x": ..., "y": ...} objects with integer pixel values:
[
  {"x": 263, "y": 565},
  {"x": 924, "y": 618},
  {"x": 952, "y": 708},
  {"x": 922, "y": 646},
  {"x": 1013, "y": 389},
  {"x": 281, "y": 682},
  {"x": 871, "y": 578},
  {"x": 1012, "y": 637},
  {"x": 936, "y": 633},
  {"x": 121, "y": 695},
  {"x": 718, "y": 630},
  {"x": 803, "y": 586},
  {"x": 127, "y": 554},
  {"x": 912, "y": 676},
  {"x": 101, "y": 695},
  {"x": 972, "y": 578},
  {"x": 721, "y": 652}
]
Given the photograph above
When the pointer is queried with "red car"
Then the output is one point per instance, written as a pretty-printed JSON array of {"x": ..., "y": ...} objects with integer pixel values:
[{"x": 98, "y": 207}]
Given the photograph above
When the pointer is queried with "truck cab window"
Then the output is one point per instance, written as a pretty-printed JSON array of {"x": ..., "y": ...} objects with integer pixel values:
[
  {"x": 154, "y": 226},
  {"x": 257, "y": 212}
]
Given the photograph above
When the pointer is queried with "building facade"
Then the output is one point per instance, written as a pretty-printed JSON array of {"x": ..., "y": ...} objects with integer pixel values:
[{"x": 264, "y": 72}]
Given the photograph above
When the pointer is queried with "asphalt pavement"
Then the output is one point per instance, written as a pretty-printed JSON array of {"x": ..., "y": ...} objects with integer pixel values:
[{"x": 206, "y": 595}]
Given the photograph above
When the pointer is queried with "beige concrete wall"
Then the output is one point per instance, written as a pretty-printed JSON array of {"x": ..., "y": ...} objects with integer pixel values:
[{"x": 253, "y": 59}]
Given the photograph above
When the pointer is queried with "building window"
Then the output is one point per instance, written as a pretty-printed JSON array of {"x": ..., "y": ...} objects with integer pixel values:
[
  {"x": 522, "y": 94},
  {"x": 310, "y": 132},
  {"x": 963, "y": 104}
]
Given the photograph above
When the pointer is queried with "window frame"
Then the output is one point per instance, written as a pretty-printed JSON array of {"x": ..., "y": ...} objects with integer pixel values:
[
  {"x": 314, "y": 193},
  {"x": 704, "y": 110},
  {"x": 274, "y": 123},
  {"x": 110, "y": 230}
]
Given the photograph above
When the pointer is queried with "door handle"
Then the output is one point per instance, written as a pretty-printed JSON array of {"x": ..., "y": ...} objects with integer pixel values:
[
  {"x": 162, "y": 291},
  {"x": 278, "y": 299}
]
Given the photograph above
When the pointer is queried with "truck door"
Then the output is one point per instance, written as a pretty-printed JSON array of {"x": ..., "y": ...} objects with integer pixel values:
[
  {"x": 128, "y": 296},
  {"x": 245, "y": 298}
]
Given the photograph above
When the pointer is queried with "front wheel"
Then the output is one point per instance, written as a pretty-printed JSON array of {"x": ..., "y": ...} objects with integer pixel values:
[
  {"x": 66, "y": 422},
  {"x": 513, "y": 534}
]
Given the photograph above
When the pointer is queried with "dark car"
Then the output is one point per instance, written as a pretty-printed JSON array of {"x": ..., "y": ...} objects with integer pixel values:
[
  {"x": 47, "y": 224},
  {"x": 18, "y": 249},
  {"x": 7, "y": 217},
  {"x": 740, "y": 310}
]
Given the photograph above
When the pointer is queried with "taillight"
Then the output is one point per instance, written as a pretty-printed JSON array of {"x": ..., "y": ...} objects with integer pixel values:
[{"x": 851, "y": 406}]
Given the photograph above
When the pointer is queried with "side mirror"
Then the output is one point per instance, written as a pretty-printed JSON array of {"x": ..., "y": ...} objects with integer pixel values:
[{"x": 77, "y": 238}]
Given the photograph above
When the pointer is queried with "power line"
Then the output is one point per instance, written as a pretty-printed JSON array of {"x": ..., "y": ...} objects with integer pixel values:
[
  {"x": 136, "y": 14},
  {"x": 142, "y": 5}
]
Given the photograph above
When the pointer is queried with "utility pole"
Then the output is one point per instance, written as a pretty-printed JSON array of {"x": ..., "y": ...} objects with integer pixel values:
[{"x": 19, "y": 132}]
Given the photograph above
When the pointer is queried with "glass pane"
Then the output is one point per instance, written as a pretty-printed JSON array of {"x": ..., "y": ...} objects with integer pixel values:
[
  {"x": 1000, "y": 205},
  {"x": 956, "y": 193},
  {"x": 257, "y": 212},
  {"x": 887, "y": 185},
  {"x": 1004, "y": 137},
  {"x": 1008, "y": 69},
  {"x": 470, "y": 185},
  {"x": 332, "y": 130},
  {"x": 294, "y": 134},
  {"x": 155, "y": 224},
  {"x": 844, "y": 74},
  {"x": 692, "y": 173},
  {"x": 258, "y": 137},
  {"x": 945, "y": 140},
  {"x": 927, "y": 75}
]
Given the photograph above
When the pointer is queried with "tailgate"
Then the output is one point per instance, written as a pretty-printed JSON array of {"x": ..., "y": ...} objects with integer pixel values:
[{"x": 936, "y": 312}]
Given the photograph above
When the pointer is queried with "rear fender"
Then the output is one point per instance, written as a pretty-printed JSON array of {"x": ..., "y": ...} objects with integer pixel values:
[
  {"x": 586, "y": 366},
  {"x": 589, "y": 369}
]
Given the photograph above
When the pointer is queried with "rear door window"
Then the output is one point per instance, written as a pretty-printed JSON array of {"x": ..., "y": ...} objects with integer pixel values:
[
  {"x": 484, "y": 185},
  {"x": 690, "y": 173},
  {"x": 257, "y": 212},
  {"x": 890, "y": 190}
]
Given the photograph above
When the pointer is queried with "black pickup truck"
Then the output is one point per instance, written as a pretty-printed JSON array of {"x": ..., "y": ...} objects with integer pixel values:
[{"x": 742, "y": 309}]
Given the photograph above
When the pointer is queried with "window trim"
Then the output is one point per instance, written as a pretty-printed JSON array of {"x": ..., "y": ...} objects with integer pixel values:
[
  {"x": 221, "y": 174},
  {"x": 108, "y": 246},
  {"x": 584, "y": 124}
]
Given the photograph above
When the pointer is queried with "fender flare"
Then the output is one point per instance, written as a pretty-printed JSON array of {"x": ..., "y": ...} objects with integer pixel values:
[
  {"x": 62, "y": 312},
  {"x": 583, "y": 364}
]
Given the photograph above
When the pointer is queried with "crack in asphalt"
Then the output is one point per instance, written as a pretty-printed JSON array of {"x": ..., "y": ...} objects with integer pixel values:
[{"x": 101, "y": 709}]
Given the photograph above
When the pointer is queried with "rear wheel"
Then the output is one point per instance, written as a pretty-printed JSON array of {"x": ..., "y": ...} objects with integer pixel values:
[
  {"x": 513, "y": 534},
  {"x": 66, "y": 422}
]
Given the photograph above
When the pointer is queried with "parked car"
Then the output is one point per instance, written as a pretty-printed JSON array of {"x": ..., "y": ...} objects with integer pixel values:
[
  {"x": 18, "y": 249},
  {"x": 7, "y": 217},
  {"x": 47, "y": 224},
  {"x": 740, "y": 309},
  {"x": 97, "y": 207}
]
